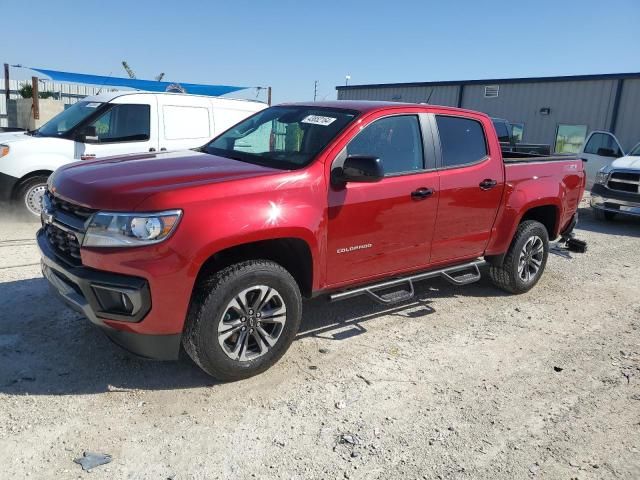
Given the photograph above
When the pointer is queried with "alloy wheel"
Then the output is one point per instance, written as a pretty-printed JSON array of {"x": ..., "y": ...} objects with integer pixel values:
[
  {"x": 252, "y": 323},
  {"x": 530, "y": 260}
]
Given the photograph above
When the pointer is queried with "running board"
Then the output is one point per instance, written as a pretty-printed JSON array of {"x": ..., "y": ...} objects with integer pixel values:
[{"x": 462, "y": 274}]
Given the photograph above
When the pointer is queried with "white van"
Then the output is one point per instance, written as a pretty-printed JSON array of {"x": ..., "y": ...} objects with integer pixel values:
[{"x": 115, "y": 123}]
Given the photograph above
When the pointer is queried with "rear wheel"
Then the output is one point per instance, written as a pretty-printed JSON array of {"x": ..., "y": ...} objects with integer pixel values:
[
  {"x": 525, "y": 260},
  {"x": 243, "y": 319},
  {"x": 30, "y": 193}
]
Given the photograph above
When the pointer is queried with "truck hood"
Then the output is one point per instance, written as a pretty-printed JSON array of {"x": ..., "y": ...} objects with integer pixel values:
[
  {"x": 122, "y": 183},
  {"x": 6, "y": 137},
  {"x": 629, "y": 162}
]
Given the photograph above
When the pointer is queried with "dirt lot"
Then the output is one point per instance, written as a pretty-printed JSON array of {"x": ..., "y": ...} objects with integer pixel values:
[{"x": 464, "y": 382}]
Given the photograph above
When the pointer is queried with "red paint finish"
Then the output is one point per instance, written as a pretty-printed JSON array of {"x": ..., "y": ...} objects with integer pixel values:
[{"x": 356, "y": 234}]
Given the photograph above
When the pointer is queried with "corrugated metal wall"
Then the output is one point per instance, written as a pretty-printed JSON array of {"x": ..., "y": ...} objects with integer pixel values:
[
  {"x": 68, "y": 92},
  {"x": 583, "y": 102},
  {"x": 445, "y": 95},
  {"x": 628, "y": 123},
  {"x": 587, "y": 103}
]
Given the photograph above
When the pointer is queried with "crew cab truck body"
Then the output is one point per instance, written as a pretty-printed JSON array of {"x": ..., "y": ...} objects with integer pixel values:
[
  {"x": 214, "y": 249},
  {"x": 112, "y": 123}
]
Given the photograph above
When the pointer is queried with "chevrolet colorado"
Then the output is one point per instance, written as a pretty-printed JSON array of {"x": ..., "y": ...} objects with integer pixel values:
[{"x": 213, "y": 249}]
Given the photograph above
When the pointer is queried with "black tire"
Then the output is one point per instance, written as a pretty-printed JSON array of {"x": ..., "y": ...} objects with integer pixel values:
[
  {"x": 25, "y": 190},
  {"x": 604, "y": 215},
  {"x": 507, "y": 276},
  {"x": 210, "y": 303}
]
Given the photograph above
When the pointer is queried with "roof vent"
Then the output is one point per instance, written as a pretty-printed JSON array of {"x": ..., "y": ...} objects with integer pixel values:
[{"x": 491, "y": 91}]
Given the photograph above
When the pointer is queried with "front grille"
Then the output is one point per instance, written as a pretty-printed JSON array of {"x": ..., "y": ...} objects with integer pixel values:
[
  {"x": 65, "y": 227},
  {"x": 70, "y": 208},
  {"x": 624, "y": 182},
  {"x": 64, "y": 243}
]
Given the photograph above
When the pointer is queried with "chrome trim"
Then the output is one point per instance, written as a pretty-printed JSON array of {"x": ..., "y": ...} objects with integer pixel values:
[
  {"x": 620, "y": 180},
  {"x": 598, "y": 202},
  {"x": 444, "y": 272}
]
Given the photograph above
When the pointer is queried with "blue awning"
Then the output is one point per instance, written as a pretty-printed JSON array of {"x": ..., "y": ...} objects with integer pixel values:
[{"x": 147, "y": 85}]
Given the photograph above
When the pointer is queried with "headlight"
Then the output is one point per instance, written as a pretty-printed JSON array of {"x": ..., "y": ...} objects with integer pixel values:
[
  {"x": 4, "y": 150},
  {"x": 601, "y": 177},
  {"x": 109, "y": 229}
]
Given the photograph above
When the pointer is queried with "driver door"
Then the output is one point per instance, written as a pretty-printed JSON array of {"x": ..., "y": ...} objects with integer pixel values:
[
  {"x": 600, "y": 149},
  {"x": 379, "y": 228},
  {"x": 130, "y": 127}
]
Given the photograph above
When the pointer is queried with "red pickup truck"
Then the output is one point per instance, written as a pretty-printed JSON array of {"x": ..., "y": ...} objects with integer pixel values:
[{"x": 214, "y": 249}]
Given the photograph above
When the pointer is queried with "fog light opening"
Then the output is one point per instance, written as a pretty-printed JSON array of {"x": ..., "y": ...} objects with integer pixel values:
[{"x": 114, "y": 301}]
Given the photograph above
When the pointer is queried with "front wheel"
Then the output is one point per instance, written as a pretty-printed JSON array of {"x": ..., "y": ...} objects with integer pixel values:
[
  {"x": 30, "y": 195},
  {"x": 525, "y": 260},
  {"x": 243, "y": 319}
]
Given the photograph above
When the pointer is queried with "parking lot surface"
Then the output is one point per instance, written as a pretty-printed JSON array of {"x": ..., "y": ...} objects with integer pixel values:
[{"x": 462, "y": 382}]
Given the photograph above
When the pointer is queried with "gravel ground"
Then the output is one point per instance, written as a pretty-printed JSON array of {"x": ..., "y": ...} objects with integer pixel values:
[{"x": 463, "y": 382}]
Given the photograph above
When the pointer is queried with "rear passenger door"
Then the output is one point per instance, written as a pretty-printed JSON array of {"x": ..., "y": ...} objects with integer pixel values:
[
  {"x": 185, "y": 122},
  {"x": 384, "y": 227},
  {"x": 471, "y": 185}
]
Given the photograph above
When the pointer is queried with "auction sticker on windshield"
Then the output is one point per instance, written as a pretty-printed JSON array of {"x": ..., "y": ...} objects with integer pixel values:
[{"x": 318, "y": 120}]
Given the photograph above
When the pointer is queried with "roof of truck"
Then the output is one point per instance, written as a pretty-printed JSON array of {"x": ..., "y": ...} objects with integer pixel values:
[
  {"x": 365, "y": 106},
  {"x": 109, "y": 96}
]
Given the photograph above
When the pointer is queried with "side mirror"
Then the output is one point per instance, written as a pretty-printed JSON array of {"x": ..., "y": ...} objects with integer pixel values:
[
  {"x": 88, "y": 134},
  {"x": 606, "y": 152},
  {"x": 359, "y": 168}
]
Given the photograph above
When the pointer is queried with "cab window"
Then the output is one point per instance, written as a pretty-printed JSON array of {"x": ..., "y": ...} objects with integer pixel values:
[
  {"x": 603, "y": 144},
  {"x": 396, "y": 141},
  {"x": 462, "y": 140},
  {"x": 124, "y": 123}
]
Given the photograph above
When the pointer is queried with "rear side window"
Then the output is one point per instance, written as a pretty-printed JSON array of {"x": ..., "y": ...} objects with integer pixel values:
[
  {"x": 396, "y": 141},
  {"x": 185, "y": 122},
  {"x": 462, "y": 140}
]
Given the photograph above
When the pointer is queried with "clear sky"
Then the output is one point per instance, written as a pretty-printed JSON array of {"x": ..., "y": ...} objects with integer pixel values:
[{"x": 289, "y": 44}]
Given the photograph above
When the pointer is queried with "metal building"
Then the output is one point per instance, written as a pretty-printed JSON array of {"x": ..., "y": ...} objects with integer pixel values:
[{"x": 559, "y": 111}]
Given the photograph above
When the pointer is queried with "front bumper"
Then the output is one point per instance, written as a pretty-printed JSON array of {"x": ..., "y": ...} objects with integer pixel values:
[
  {"x": 608, "y": 200},
  {"x": 80, "y": 288}
]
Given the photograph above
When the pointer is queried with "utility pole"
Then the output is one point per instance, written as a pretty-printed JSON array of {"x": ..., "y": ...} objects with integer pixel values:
[
  {"x": 35, "y": 98},
  {"x": 315, "y": 90},
  {"x": 6, "y": 81},
  {"x": 269, "y": 96}
]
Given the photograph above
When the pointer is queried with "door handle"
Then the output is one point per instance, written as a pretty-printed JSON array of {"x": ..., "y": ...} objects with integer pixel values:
[
  {"x": 163, "y": 149},
  {"x": 152, "y": 149},
  {"x": 421, "y": 193},
  {"x": 488, "y": 184}
]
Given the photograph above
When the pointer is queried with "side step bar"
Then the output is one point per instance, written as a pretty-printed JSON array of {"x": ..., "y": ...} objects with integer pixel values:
[{"x": 462, "y": 274}]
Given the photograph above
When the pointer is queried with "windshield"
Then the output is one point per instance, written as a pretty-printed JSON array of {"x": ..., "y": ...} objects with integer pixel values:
[
  {"x": 286, "y": 137},
  {"x": 66, "y": 120},
  {"x": 635, "y": 151}
]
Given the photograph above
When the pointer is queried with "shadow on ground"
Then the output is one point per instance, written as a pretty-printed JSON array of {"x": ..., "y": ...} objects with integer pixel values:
[
  {"x": 47, "y": 349},
  {"x": 622, "y": 225}
]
